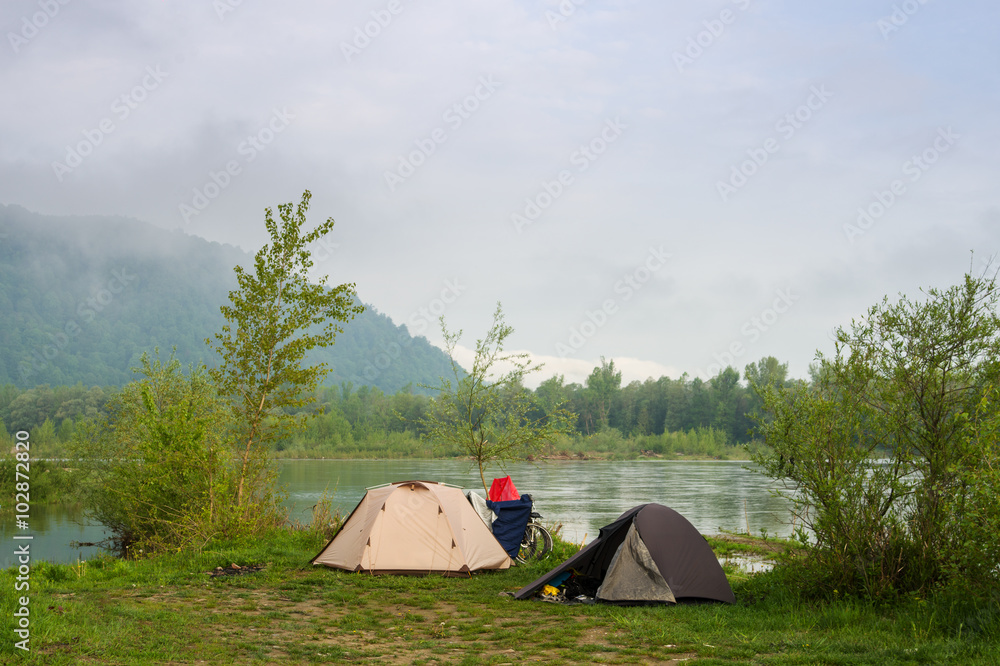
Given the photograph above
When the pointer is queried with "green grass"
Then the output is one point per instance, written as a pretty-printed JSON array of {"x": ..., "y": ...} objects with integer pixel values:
[
  {"x": 744, "y": 544},
  {"x": 696, "y": 444},
  {"x": 168, "y": 609}
]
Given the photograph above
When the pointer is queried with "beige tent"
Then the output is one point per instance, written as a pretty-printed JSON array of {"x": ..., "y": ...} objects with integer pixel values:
[{"x": 414, "y": 527}]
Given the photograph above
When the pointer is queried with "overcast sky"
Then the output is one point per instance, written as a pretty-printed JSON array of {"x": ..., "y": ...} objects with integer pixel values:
[{"x": 674, "y": 185}]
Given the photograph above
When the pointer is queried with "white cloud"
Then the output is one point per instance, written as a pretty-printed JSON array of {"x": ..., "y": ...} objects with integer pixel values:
[{"x": 576, "y": 371}]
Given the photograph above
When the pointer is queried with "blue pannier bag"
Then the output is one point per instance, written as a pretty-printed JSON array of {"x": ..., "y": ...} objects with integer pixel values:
[{"x": 511, "y": 521}]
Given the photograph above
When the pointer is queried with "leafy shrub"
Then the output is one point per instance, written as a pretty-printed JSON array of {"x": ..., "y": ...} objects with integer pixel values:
[
  {"x": 891, "y": 455},
  {"x": 159, "y": 470}
]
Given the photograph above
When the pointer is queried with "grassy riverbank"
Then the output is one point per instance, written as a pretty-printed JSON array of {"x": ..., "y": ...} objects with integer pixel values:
[
  {"x": 168, "y": 609},
  {"x": 696, "y": 444}
]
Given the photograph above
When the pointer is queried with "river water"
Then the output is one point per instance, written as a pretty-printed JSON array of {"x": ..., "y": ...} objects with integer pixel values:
[{"x": 581, "y": 496}]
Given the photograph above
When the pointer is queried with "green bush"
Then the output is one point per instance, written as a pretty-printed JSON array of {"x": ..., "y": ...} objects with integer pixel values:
[
  {"x": 890, "y": 456},
  {"x": 710, "y": 442},
  {"x": 159, "y": 470}
]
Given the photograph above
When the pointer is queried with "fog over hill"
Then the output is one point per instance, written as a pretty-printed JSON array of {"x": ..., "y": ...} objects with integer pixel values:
[{"x": 83, "y": 297}]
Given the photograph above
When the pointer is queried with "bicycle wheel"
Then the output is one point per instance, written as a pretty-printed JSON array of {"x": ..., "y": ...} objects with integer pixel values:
[
  {"x": 535, "y": 545},
  {"x": 546, "y": 542}
]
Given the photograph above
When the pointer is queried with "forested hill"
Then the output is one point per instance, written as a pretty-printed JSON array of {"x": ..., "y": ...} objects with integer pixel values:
[{"x": 82, "y": 297}]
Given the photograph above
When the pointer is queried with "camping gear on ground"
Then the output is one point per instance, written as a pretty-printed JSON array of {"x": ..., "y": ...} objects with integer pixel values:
[
  {"x": 651, "y": 554},
  {"x": 502, "y": 490},
  {"x": 511, "y": 521},
  {"x": 484, "y": 511},
  {"x": 414, "y": 527}
]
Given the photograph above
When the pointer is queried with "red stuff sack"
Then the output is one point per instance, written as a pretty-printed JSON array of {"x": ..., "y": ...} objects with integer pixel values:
[{"x": 503, "y": 490}]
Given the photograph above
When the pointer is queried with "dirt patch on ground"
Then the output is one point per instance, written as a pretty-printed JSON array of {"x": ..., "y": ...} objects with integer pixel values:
[
  {"x": 594, "y": 636},
  {"x": 343, "y": 624},
  {"x": 236, "y": 570}
]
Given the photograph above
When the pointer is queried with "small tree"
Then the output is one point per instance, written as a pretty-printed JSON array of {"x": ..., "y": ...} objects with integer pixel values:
[
  {"x": 890, "y": 453},
  {"x": 486, "y": 412},
  {"x": 274, "y": 318},
  {"x": 603, "y": 390}
]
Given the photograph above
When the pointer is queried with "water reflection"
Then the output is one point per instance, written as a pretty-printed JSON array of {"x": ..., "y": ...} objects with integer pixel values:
[
  {"x": 580, "y": 495},
  {"x": 53, "y": 530}
]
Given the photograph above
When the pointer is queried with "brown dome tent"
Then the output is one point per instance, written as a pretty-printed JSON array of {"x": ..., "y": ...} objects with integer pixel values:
[
  {"x": 414, "y": 527},
  {"x": 651, "y": 554}
]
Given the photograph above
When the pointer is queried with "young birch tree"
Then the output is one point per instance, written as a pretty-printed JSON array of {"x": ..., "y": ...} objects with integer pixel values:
[
  {"x": 274, "y": 318},
  {"x": 488, "y": 412}
]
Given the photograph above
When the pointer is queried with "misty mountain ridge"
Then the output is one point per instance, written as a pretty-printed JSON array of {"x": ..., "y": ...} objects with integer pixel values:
[{"x": 83, "y": 297}]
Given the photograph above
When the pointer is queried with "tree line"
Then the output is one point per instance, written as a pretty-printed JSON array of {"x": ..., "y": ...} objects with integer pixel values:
[
  {"x": 364, "y": 421},
  {"x": 685, "y": 415}
]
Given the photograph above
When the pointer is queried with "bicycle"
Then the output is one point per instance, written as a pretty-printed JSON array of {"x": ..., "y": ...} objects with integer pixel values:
[{"x": 536, "y": 543}]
